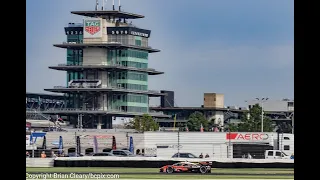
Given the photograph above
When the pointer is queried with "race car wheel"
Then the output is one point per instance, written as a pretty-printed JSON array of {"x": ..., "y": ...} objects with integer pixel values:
[
  {"x": 169, "y": 169},
  {"x": 203, "y": 169}
]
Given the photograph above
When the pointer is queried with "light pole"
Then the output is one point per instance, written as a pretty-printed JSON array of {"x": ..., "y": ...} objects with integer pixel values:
[{"x": 262, "y": 101}]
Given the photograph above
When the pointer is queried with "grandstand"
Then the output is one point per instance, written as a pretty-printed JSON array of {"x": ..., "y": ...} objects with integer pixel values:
[{"x": 38, "y": 102}]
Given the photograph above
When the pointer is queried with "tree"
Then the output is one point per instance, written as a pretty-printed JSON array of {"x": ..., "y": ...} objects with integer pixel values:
[
  {"x": 285, "y": 127},
  {"x": 251, "y": 121},
  {"x": 232, "y": 127},
  {"x": 143, "y": 123},
  {"x": 212, "y": 124},
  {"x": 195, "y": 120}
]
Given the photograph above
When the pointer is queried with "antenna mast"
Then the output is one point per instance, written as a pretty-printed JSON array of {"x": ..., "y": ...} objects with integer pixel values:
[
  {"x": 97, "y": 4},
  {"x": 119, "y": 6},
  {"x": 102, "y": 5},
  {"x": 113, "y": 4}
]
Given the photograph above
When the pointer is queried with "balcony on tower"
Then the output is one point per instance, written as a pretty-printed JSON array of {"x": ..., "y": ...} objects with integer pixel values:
[{"x": 84, "y": 83}]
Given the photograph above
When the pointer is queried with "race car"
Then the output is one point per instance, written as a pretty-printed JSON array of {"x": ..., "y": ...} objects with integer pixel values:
[{"x": 187, "y": 167}]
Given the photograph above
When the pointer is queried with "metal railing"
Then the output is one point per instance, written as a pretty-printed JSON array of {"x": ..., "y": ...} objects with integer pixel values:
[
  {"x": 75, "y": 24},
  {"x": 106, "y": 42},
  {"x": 107, "y": 65},
  {"x": 101, "y": 110},
  {"x": 36, "y": 114},
  {"x": 108, "y": 87},
  {"x": 86, "y": 80}
]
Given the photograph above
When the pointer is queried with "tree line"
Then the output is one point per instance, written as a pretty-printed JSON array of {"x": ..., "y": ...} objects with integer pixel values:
[{"x": 249, "y": 122}]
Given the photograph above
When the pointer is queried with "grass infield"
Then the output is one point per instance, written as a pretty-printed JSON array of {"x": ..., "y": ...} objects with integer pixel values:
[{"x": 113, "y": 171}]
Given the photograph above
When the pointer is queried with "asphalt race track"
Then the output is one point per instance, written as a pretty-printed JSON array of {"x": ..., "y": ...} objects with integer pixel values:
[{"x": 207, "y": 174}]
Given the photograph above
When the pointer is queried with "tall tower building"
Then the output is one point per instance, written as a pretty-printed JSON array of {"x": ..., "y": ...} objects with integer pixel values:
[{"x": 107, "y": 69}]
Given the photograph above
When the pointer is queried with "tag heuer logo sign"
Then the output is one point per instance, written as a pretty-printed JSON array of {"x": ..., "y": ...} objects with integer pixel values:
[{"x": 92, "y": 26}]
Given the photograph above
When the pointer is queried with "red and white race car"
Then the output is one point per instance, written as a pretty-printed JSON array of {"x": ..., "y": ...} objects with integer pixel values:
[{"x": 187, "y": 167}]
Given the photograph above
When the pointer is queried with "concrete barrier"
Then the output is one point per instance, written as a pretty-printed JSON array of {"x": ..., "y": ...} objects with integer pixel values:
[
  {"x": 39, "y": 162},
  {"x": 156, "y": 162}
]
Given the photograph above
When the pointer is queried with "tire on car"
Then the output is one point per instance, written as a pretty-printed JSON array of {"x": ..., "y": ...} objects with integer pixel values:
[
  {"x": 203, "y": 169},
  {"x": 169, "y": 169}
]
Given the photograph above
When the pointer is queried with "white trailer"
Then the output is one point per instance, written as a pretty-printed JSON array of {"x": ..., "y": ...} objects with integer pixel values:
[{"x": 215, "y": 144}]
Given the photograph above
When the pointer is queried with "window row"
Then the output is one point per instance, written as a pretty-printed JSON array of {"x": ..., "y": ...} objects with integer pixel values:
[
  {"x": 131, "y": 98},
  {"x": 74, "y": 75},
  {"x": 137, "y": 98},
  {"x": 136, "y": 109},
  {"x": 129, "y": 40},
  {"x": 134, "y": 64},
  {"x": 75, "y": 60},
  {"x": 74, "y": 32},
  {"x": 127, "y": 53},
  {"x": 75, "y": 38},
  {"x": 132, "y": 76},
  {"x": 133, "y": 86},
  {"x": 73, "y": 52}
]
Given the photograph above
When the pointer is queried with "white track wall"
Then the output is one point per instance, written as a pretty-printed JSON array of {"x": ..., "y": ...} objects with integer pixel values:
[
  {"x": 209, "y": 143},
  {"x": 166, "y": 144},
  {"x": 216, "y": 145}
]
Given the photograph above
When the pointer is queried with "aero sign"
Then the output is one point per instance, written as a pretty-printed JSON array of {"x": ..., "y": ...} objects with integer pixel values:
[
  {"x": 92, "y": 28},
  {"x": 247, "y": 136}
]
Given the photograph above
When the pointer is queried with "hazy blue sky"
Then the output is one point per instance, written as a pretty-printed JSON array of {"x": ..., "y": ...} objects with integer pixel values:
[{"x": 243, "y": 49}]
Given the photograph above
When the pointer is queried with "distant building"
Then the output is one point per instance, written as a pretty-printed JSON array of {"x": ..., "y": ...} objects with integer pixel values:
[
  {"x": 213, "y": 100},
  {"x": 107, "y": 70},
  {"x": 213, "y": 108},
  {"x": 168, "y": 100},
  {"x": 284, "y": 105}
]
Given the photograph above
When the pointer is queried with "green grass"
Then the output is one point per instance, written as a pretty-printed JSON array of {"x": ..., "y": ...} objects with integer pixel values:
[
  {"x": 173, "y": 176},
  {"x": 153, "y": 170},
  {"x": 198, "y": 176}
]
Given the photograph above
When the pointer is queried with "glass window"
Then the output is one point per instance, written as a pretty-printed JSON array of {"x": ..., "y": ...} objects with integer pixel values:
[
  {"x": 192, "y": 156},
  {"x": 286, "y": 147},
  {"x": 278, "y": 153},
  {"x": 270, "y": 153},
  {"x": 176, "y": 155}
]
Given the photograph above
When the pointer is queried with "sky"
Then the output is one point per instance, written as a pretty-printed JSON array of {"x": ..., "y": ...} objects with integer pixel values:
[{"x": 242, "y": 49}]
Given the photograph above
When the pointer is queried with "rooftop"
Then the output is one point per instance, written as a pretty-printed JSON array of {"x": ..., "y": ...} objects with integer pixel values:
[
  {"x": 67, "y": 67},
  {"x": 61, "y": 89},
  {"x": 44, "y": 96},
  {"x": 209, "y": 109},
  {"x": 195, "y": 108},
  {"x": 74, "y": 111},
  {"x": 107, "y": 14},
  {"x": 110, "y": 45}
]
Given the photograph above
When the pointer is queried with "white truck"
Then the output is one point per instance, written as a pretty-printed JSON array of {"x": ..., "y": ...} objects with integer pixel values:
[{"x": 276, "y": 154}]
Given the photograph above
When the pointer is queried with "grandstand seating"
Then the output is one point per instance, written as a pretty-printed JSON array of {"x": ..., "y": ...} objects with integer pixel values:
[{"x": 36, "y": 115}]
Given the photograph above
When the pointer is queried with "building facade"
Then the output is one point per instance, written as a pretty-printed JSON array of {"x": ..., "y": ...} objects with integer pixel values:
[
  {"x": 281, "y": 112},
  {"x": 168, "y": 100},
  {"x": 107, "y": 69},
  {"x": 284, "y": 105},
  {"x": 213, "y": 100}
]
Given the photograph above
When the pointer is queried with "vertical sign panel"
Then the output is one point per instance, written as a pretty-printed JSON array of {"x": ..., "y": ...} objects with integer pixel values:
[{"x": 92, "y": 28}]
